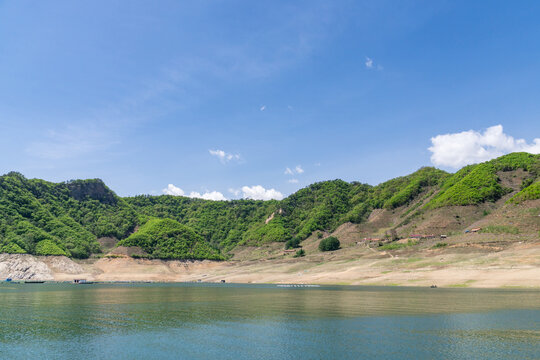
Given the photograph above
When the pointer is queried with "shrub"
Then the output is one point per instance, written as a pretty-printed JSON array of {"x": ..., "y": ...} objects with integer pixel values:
[
  {"x": 300, "y": 253},
  {"x": 292, "y": 243},
  {"x": 12, "y": 248},
  {"x": 47, "y": 247},
  {"x": 319, "y": 235},
  {"x": 142, "y": 256},
  {"x": 440, "y": 245},
  {"x": 329, "y": 244}
]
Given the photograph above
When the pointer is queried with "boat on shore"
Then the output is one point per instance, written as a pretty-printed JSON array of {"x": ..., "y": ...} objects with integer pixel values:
[{"x": 82, "y": 282}]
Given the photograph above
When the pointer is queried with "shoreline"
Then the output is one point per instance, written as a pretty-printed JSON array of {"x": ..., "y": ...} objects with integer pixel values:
[
  {"x": 515, "y": 267},
  {"x": 279, "y": 285}
]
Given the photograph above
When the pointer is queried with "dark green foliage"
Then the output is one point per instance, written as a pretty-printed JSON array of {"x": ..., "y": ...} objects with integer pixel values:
[
  {"x": 74, "y": 214},
  {"x": 34, "y": 210},
  {"x": 293, "y": 243},
  {"x": 440, "y": 245},
  {"x": 526, "y": 182},
  {"x": 223, "y": 224},
  {"x": 323, "y": 206},
  {"x": 331, "y": 243},
  {"x": 168, "y": 239},
  {"x": 300, "y": 253}
]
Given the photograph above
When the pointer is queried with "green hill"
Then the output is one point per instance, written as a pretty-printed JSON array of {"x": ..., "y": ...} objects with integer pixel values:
[
  {"x": 168, "y": 239},
  {"x": 40, "y": 217}
]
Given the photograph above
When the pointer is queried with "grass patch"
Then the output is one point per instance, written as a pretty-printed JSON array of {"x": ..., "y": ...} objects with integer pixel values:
[
  {"x": 113, "y": 256},
  {"x": 500, "y": 229},
  {"x": 397, "y": 246},
  {"x": 466, "y": 284},
  {"x": 440, "y": 245}
]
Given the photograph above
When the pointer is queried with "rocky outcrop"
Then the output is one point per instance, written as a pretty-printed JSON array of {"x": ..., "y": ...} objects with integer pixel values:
[
  {"x": 23, "y": 267},
  {"x": 62, "y": 264}
]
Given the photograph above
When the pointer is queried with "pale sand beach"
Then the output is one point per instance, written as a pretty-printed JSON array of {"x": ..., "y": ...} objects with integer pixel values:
[{"x": 516, "y": 265}]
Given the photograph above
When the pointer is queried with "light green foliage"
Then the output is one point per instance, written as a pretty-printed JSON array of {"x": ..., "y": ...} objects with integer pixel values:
[
  {"x": 397, "y": 246},
  {"x": 48, "y": 247},
  {"x": 11, "y": 248},
  {"x": 402, "y": 190},
  {"x": 479, "y": 183},
  {"x": 261, "y": 233},
  {"x": 36, "y": 210},
  {"x": 74, "y": 214},
  {"x": 223, "y": 224},
  {"x": 168, "y": 239},
  {"x": 531, "y": 192}
]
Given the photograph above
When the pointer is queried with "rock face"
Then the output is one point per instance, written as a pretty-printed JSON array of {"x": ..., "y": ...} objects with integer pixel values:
[
  {"x": 23, "y": 267},
  {"x": 94, "y": 189},
  {"x": 62, "y": 264}
]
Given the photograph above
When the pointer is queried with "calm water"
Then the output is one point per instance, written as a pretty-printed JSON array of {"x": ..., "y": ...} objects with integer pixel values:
[{"x": 179, "y": 321}]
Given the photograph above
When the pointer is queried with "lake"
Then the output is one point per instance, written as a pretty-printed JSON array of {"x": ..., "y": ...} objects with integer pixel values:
[{"x": 228, "y": 321}]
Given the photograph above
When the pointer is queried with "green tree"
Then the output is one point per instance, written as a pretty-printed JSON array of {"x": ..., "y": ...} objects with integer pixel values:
[{"x": 331, "y": 243}]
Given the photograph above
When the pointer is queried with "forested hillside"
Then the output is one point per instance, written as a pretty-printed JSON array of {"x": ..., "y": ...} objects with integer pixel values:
[{"x": 44, "y": 218}]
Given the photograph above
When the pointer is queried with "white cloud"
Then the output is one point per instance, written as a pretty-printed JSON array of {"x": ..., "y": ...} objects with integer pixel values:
[
  {"x": 293, "y": 181},
  {"x": 258, "y": 192},
  {"x": 263, "y": 108},
  {"x": 296, "y": 171},
  {"x": 235, "y": 192},
  {"x": 212, "y": 195},
  {"x": 223, "y": 156},
  {"x": 176, "y": 191},
  {"x": 173, "y": 190},
  {"x": 469, "y": 147},
  {"x": 369, "y": 63}
]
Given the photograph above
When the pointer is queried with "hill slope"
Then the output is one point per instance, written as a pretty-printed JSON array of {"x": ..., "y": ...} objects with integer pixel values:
[{"x": 40, "y": 217}]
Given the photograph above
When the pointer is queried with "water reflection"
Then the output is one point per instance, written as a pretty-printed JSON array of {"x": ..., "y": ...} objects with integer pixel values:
[{"x": 246, "y": 322}]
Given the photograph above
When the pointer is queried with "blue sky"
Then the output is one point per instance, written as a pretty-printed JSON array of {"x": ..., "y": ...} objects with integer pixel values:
[{"x": 235, "y": 98}]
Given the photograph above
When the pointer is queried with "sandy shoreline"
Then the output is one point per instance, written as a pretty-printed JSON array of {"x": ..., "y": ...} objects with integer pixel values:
[{"x": 518, "y": 265}]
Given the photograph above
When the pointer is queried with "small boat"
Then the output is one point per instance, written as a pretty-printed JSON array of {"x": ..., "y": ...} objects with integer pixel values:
[
  {"x": 34, "y": 281},
  {"x": 82, "y": 281},
  {"x": 433, "y": 286}
]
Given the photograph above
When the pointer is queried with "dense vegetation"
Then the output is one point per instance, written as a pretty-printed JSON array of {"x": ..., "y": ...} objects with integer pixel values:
[
  {"x": 331, "y": 243},
  {"x": 479, "y": 183},
  {"x": 40, "y": 217},
  {"x": 223, "y": 224},
  {"x": 168, "y": 239},
  {"x": 531, "y": 192}
]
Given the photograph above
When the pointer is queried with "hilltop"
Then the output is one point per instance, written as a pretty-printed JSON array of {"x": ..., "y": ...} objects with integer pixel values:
[{"x": 85, "y": 219}]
